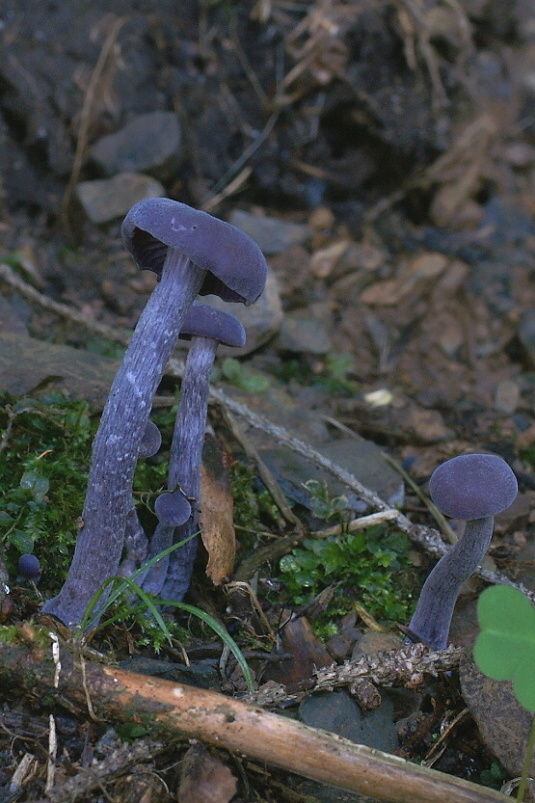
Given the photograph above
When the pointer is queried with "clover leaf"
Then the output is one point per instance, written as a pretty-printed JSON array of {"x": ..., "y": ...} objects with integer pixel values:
[{"x": 505, "y": 647}]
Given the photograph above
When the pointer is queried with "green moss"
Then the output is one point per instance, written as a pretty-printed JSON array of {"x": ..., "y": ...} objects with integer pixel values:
[
  {"x": 369, "y": 566},
  {"x": 43, "y": 468},
  {"x": 45, "y": 450}
]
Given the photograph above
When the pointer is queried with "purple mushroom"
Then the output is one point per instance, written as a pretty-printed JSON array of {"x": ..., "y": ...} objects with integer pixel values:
[
  {"x": 151, "y": 440},
  {"x": 207, "y": 327},
  {"x": 473, "y": 487},
  {"x": 191, "y": 252},
  {"x": 29, "y": 566},
  {"x": 172, "y": 508}
]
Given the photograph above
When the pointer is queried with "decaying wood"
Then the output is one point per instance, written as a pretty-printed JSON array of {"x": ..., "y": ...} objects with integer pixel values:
[
  {"x": 404, "y": 667},
  {"x": 174, "y": 710}
]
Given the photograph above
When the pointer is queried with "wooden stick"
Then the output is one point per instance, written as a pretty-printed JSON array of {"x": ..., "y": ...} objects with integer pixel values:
[{"x": 172, "y": 709}]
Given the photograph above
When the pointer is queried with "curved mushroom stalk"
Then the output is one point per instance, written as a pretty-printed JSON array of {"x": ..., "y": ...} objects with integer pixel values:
[
  {"x": 207, "y": 327},
  {"x": 185, "y": 459},
  {"x": 432, "y": 618},
  {"x": 473, "y": 487}
]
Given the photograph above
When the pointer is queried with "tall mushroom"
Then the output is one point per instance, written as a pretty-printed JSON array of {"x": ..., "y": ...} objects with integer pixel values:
[
  {"x": 207, "y": 327},
  {"x": 473, "y": 487},
  {"x": 191, "y": 252}
]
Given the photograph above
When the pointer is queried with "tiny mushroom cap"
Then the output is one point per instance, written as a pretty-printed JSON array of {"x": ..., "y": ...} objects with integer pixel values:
[
  {"x": 203, "y": 320},
  {"x": 29, "y": 566},
  {"x": 151, "y": 440},
  {"x": 236, "y": 266},
  {"x": 172, "y": 508},
  {"x": 473, "y": 486}
]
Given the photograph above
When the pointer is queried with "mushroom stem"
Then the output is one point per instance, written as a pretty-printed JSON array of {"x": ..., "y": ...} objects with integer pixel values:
[
  {"x": 116, "y": 446},
  {"x": 431, "y": 621},
  {"x": 184, "y": 471}
]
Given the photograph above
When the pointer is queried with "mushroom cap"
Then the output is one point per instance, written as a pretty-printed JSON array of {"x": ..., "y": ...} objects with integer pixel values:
[
  {"x": 236, "y": 266},
  {"x": 472, "y": 486},
  {"x": 172, "y": 508},
  {"x": 151, "y": 440},
  {"x": 202, "y": 320},
  {"x": 29, "y": 566}
]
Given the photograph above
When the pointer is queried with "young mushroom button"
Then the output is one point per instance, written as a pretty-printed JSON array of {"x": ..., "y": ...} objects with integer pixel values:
[
  {"x": 206, "y": 327},
  {"x": 473, "y": 487},
  {"x": 192, "y": 252}
]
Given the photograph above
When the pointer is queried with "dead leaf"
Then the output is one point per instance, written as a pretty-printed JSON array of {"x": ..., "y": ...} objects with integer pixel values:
[
  {"x": 216, "y": 515},
  {"x": 205, "y": 779}
]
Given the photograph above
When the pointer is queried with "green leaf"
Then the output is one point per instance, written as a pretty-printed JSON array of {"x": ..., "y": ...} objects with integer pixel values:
[
  {"x": 36, "y": 483},
  {"x": 21, "y": 541},
  {"x": 505, "y": 647}
]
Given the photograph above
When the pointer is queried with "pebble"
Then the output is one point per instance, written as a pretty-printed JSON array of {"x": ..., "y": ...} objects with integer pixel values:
[
  {"x": 148, "y": 143},
  {"x": 105, "y": 199},
  {"x": 506, "y": 396},
  {"x": 303, "y": 333},
  {"x": 428, "y": 425},
  {"x": 270, "y": 233},
  {"x": 337, "y": 713}
]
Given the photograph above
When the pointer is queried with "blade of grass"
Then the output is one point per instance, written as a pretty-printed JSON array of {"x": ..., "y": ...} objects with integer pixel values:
[{"x": 227, "y": 640}]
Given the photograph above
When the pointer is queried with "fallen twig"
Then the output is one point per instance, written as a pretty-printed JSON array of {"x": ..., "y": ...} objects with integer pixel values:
[
  {"x": 404, "y": 667},
  {"x": 174, "y": 710}
]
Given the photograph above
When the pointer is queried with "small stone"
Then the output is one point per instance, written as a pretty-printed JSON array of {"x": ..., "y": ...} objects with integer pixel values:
[
  {"x": 325, "y": 259},
  {"x": 519, "y": 154},
  {"x": 108, "y": 198},
  {"x": 321, "y": 219},
  {"x": 270, "y": 233},
  {"x": 428, "y": 425},
  {"x": 506, "y": 396},
  {"x": 149, "y": 143},
  {"x": 303, "y": 333}
]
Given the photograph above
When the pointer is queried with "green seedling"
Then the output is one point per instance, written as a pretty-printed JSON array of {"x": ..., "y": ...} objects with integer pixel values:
[
  {"x": 115, "y": 587},
  {"x": 238, "y": 375},
  {"x": 505, "y": 650}
]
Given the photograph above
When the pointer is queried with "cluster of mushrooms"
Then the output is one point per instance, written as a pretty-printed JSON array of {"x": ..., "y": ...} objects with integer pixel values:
[{"x": 194, "y": 254}]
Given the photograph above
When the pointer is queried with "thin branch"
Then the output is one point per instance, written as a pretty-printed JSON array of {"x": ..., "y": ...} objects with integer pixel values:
[
  {"x": 173, "y": 710},
  {"x": 403, "y": 667}
]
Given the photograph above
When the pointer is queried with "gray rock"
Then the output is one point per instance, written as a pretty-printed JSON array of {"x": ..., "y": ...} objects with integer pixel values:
[
  {"x": 108, "y": 198},
  {"x": 360, "y": 457},
  {"x": 338, "y": 713},
  {"x": 149, "y": 143},
  {"x": 261, "y": 320},
  {"x": 303, "y": 332},
  {"x": 26, "y": 362},
  {"x": 271, "y": 234}
]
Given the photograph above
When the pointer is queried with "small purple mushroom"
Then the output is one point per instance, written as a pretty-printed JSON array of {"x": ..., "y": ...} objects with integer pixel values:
[
  {"x": 207, "y": 327},
  {"x": 29, "y": 566},
  {"x": 151, "y": 440},
  {"x": 473, "y": 487},
  {"x": 192, "y": 252},
  {"x": 172, "y": 509}
]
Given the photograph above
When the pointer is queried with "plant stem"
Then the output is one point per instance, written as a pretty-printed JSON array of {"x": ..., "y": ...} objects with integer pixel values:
[{"x": 527, "y": 762}]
